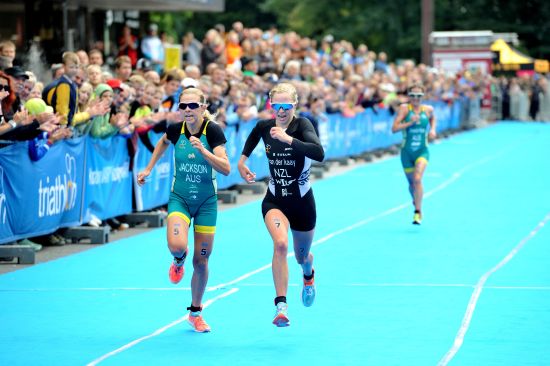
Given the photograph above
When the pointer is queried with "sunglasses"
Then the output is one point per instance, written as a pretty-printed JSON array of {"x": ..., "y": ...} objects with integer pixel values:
[
  {"x": 183, "y": 106},
  {"x": 285, "y": 106},
  {"x": 416, "y": 95},
  {"x": 5, "y": 87}
]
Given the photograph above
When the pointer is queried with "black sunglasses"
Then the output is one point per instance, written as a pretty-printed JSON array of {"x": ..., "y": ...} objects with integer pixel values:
[
  {"x": 6, "y": 87},
  {"x": 183, "y": 106}
]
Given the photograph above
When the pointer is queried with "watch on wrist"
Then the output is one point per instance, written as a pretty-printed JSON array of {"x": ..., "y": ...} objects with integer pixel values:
[{"x": 12, "y": 123}]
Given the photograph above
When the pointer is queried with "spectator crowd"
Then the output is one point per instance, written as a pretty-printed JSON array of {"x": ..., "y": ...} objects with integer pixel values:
[{"x": 235, "y": 68}]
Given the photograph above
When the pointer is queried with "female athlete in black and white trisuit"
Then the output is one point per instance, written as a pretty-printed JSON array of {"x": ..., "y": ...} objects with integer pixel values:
[{"x": 290, "y": 145}]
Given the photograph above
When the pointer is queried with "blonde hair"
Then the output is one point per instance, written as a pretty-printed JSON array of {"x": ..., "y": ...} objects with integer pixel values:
[
  {"x": 86, "y": 86},
  {"x": 38, "y": 86},
  {"x": 89, "y": 87},
  {"x": 137, "y": 80},
  {"x": 284, "y": 88},
  {"x": 174, "y": 74},
  {"x": 202, "y": 100},
  {"x": 72, "y": 57},
  {"x": 148, "y": 86},
  {"x": 91, "y": 67},
  {"x": 7, "y": 44},
  {"x": 292, "y": 64}
]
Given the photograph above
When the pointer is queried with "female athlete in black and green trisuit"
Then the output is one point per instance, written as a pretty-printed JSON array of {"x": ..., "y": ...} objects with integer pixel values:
[
  {"x": 417, "y": 121},
  {"x": 199, "y": 151}
]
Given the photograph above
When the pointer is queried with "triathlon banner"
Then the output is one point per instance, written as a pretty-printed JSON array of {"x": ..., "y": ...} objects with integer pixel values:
[
  {"x": 40, "y": 197},
  {"x": 108, "y": 178},
  {"x": 156, "y": 190},
  {"x": 84, "y": 176},
  {"x": 234, "y": 149}
]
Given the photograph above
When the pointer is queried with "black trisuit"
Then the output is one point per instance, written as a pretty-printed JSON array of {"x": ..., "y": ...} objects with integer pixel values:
[{"x": 289, "y": 187}]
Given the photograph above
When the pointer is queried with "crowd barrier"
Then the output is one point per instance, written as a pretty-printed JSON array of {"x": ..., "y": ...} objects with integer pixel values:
[{"x": 84, "y": 176}]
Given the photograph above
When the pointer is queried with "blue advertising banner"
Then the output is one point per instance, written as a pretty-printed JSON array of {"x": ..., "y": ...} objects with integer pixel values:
[
  {"x": 156, "y": 191},
  {"x": 6, "y": 232},
  {"x": 455, "y": 115},
  {"x": 39, "y": 197},
  {"x": 84, "y": 176},
  {"x": 257, "y": 161},
  {"x": 234, "y": 149},
  {"x": 367, "y": 131},
  {"x": 109, "y": 182}
]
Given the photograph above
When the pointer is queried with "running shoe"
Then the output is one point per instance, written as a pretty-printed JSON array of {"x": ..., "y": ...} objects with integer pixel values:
[
  {"x": 417, "y": 218},
  {"x": 308, "y": 292},
  {"x": 198, "y": 324},
  {"x": 281, "y": 315},
  {"x": 176, "y": 271}
]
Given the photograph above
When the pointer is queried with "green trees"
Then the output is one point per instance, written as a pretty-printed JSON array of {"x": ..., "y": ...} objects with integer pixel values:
[{"x": 390, "y": 25}]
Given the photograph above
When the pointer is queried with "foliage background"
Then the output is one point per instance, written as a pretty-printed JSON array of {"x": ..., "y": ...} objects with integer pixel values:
[{"x": 392, "y": 26}]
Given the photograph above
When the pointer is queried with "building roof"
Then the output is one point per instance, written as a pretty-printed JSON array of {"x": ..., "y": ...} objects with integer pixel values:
[{"x": 509, "y": 55}]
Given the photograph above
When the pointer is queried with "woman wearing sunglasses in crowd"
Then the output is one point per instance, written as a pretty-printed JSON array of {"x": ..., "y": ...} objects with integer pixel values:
[
  {"x": 417, "y": 121},
  {"x": 11, "y": 119},
  {"x": 290, "y": 145},
  {"x": 199, "y": 148}
]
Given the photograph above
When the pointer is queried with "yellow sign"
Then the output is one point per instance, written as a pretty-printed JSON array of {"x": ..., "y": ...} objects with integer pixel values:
[
  {"x": 172, "y": 57},
  {"x": 542, "y": 66}
]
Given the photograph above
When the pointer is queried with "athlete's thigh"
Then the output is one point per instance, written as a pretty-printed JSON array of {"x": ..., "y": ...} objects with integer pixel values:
[
  {"x": 204, "y": 243},
  {"x": 206, "y": 217},
  {"x": 277, "y": 224},
  {"x": 179, "y": 219},
  {"x": 178, "y": 229},
  {"x": 408, "y": 165}
]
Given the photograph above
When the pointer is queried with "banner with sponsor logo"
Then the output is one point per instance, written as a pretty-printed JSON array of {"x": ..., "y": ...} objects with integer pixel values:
[
  {"x": 81, "y": 176},
  {"x": 39, "y": 197},
  {"x": 156, "y": 190},
  {"x": 346, "y": 136},
  {"x": 257, "y": 161},
  {"x": 108, "y": 176},
  {"x": 371, "y": 130},
  {"x": 234, "y": 149},
  {"x": 5, "y": 220}
]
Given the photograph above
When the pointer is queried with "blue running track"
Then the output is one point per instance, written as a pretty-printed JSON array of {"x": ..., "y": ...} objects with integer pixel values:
[{"x": 471, "y": 286}]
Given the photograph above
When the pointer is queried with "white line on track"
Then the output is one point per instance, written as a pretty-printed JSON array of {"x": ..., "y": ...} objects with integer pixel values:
[
  {"x": 419, "y": 285},
  {"x": 183, "y": 289},
  {"x": 324, "y": 239},
  {"x": 459, "y": 339},
  {"x": 69, "y": 289},
  {"x": 363, "y": 222},
  {"x": 158, "y": 331}
]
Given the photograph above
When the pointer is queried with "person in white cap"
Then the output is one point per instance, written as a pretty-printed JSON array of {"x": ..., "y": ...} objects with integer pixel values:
[{"x": 189, "y": 83}]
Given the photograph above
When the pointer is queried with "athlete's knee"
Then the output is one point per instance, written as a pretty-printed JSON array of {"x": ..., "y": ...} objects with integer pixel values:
[
  {"x": 280, "y": 246},
  {"x": 417, "y": 179},
  {"x": 302, "y": 256},
  {"x": 200, "y": 263},
  {"x": 177, "y": 244}
]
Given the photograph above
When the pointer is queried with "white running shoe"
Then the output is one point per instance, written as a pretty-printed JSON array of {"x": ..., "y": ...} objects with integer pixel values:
[{"x": 281, "y": 315}]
